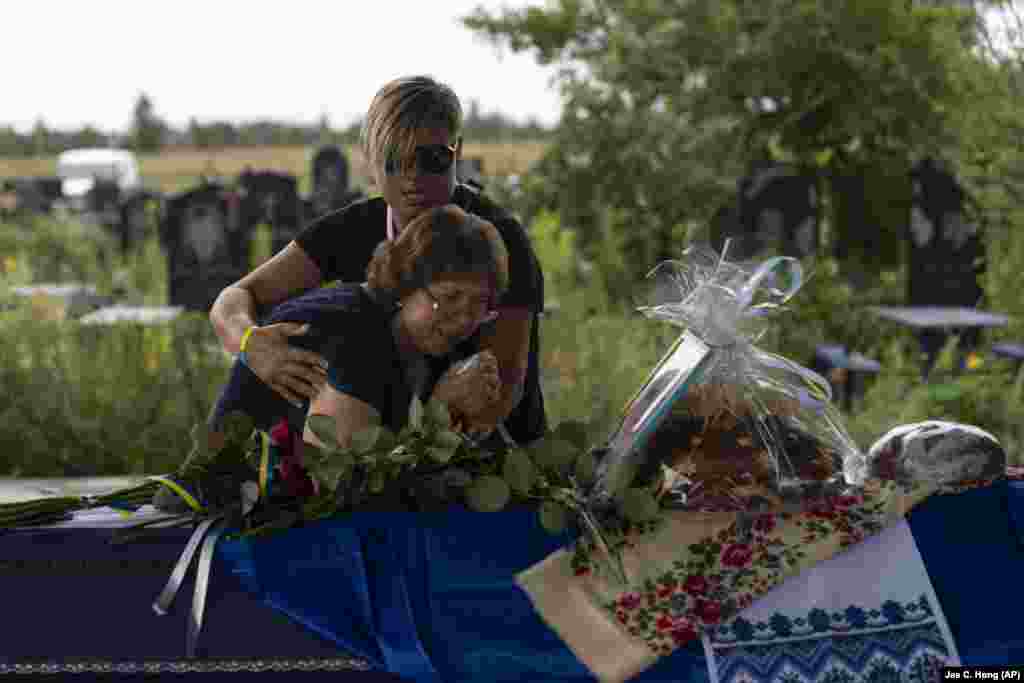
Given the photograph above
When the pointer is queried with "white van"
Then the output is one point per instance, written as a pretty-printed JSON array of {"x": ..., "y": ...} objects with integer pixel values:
[{"x": 79, "y": 169}]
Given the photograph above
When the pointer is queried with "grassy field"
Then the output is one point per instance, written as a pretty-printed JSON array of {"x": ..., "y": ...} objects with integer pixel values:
[{"x": 177, "y": 168}]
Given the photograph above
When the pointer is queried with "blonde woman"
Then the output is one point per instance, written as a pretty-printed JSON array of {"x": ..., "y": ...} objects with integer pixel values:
[{"x": 412, "y": 140}]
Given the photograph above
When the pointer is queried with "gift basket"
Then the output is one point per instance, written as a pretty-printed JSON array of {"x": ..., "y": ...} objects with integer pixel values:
[{"x": 720, "y": 424}]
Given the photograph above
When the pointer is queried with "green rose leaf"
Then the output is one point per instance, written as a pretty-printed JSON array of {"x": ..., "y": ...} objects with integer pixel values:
[
  {"x": 618, "y": 477},
  {"x": 487, "y": 494},
  {"x": 586, "y": 469},
  {"x": 401, "y": 455},
  {"x": 638, "y": 505},
  {"x": 386, "y": 440},
  {"x": 573, "y": 431},
  {"x": 553, "y": 452},
  {"x": 324, "y": 428},
  {"x": 365, "y": 439},
  {"x": 416, "y": 413},
  {"x": 440, "y": 454},
  {"x": 447, "y": 439},
  {"x": 518, "y": 471},
  {"x": 553, "y": 517},
  {"x": 200, "y": 442},
  {"x": 377, "y": 480},
  {"x": 238, "y": 427},
  {"x": 438, "y": 415}
]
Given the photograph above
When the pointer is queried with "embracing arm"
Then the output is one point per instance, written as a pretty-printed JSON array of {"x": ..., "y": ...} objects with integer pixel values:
[
  {"x": 288, "y": 273},
  {"x": 350, "y": 415},
  {"x": 509, "y": 340}
]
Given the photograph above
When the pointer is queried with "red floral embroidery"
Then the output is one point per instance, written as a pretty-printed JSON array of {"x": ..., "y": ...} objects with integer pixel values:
[
  {"x": 630, "y": 600},
  {"x": 709, "y": 611},
  {"x": 695, "y": 585},
  {"x": 737, "y": 555},
  {"x": 665, "y": 623},
  {"x": 683, "y": 631},
  {"x": 764, "y": 524}
]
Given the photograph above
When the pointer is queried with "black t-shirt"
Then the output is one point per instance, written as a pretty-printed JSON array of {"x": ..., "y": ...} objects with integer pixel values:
[{"x": 342, "y": 243}]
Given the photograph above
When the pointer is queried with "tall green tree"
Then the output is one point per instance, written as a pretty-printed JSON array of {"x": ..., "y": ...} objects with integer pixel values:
[
  {"x": 148, "y": 129},
  {"x": 667, "y": 103}
]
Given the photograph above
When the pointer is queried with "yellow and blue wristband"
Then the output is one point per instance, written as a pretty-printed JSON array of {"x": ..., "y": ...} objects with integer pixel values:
[{"x": 242, "y": 356}]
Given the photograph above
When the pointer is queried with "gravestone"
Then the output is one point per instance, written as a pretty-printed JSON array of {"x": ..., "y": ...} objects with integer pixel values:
[
  {"x": 272, "y": 198},
  {"x": 946, "y": 252},
  {"x": 331, "y": 191},
  {"x": 26, "y": 196},
  {"x": 207, "y": 249},
  {"x": 870, "y": 204},
  {"x": 779, "y": 209}
]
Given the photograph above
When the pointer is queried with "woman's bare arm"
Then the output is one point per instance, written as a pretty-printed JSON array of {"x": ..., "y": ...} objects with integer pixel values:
[
  {"x": 350, "y": 415},
  {"x": 287, "y": 274}
]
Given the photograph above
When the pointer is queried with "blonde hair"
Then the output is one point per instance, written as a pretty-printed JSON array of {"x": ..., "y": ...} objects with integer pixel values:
[{"x": 403, "y": 106}]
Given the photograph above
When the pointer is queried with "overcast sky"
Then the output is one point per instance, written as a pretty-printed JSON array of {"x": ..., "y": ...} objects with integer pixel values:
[{"x": 73, "y": 63}]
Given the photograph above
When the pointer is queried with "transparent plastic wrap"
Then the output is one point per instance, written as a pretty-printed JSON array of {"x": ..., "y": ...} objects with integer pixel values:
[{"x": 721, "y": 424}]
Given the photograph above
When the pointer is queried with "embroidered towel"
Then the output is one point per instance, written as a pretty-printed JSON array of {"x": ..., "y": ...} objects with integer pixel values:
[{"x": 864, "y": 615}]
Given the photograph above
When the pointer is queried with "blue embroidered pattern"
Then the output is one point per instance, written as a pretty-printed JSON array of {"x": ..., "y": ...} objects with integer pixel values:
[
  {"x": 818, "y": 622},
  {"x": 898, "y": 643}
]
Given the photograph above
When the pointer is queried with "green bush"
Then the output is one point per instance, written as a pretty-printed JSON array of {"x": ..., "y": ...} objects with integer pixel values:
[{"x": 96, "y": 400}]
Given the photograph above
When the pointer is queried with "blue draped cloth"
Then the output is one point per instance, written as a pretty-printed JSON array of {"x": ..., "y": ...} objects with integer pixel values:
[
  {"x": 427, "y": 596},
  {"x": 432, "y": 597}
]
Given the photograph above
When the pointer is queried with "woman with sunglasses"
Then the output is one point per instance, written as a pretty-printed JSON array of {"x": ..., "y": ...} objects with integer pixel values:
[{"x": 411, "y": 139}]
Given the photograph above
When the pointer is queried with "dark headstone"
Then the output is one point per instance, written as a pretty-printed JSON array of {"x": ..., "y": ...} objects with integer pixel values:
[
  {"x": 779, "y": 209},
  {"x": 331, "y": 189},
  {"x": 870, "y": 204},
  {"x": 272, "y": 198},
  {"x": 206, "y": 248},
  {"x": 946, "y": 251}
]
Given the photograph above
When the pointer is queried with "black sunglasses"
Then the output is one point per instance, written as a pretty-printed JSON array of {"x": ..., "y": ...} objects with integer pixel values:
[{"x": 430, "y": 159}]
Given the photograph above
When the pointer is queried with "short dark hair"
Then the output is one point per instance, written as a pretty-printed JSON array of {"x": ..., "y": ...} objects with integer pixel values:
[{"x": 443, "y": 240}]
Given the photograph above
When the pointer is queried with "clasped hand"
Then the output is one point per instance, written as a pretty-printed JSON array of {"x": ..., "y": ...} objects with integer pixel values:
[
  {"x": 469, "y": 389},
  {"x": 296, "y": 374}
]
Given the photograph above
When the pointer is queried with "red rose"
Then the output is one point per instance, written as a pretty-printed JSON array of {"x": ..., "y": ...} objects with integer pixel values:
[
  {"x": 665, "y": 622},
  {"x": 709, "y": 611},
  {"x": 295, "y": 480},
  {"x": 582, "y": 570},
  {"x": 665, "y": 590},
  {"x": 764, "y": 524},
  {"x": 737, "y": 555},
  {"x": 695, "y": 585},
  {"x": 683, "y": 632}
]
